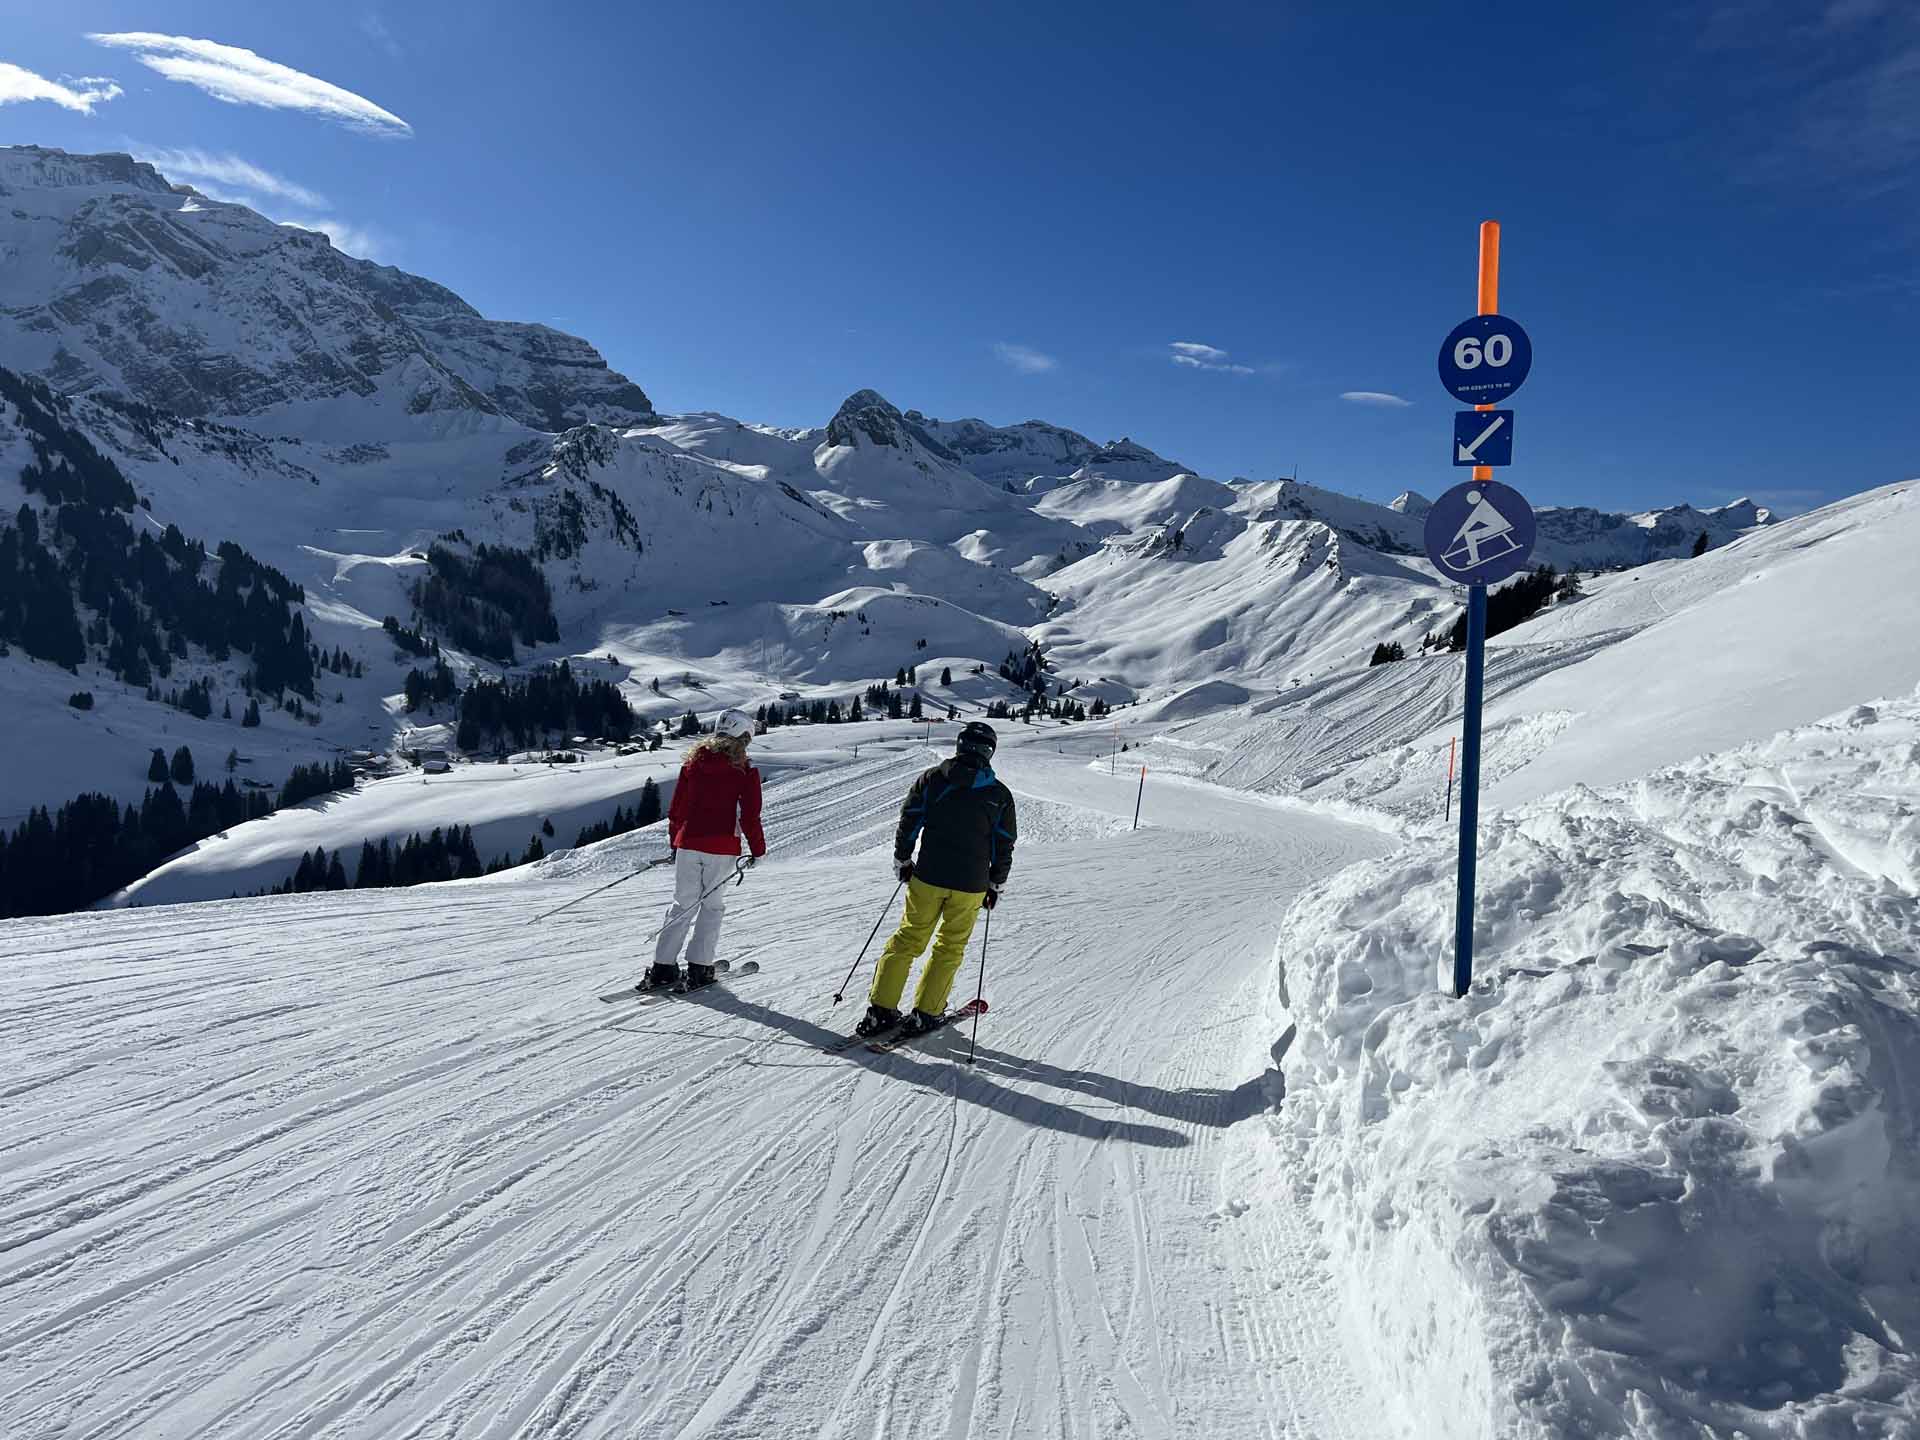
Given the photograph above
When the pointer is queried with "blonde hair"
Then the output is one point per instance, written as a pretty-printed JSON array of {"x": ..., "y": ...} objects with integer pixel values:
[{"x": 734, "y": 747}]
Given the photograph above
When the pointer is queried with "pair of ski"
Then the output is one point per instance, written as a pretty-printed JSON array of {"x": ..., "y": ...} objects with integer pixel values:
[
  {"x": 881, "y": 1043},
  {"x": 884, "y": 1042},
  {"x": 645, "y": 994}
]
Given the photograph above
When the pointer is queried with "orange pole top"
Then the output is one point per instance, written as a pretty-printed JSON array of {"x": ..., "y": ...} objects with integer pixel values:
[
  {"x": 1489, "y": 298},
  {"x": 1489, "y": 267}
]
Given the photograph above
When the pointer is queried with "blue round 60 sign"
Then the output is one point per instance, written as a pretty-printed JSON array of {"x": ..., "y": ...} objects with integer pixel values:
[
  {"x": 1479, "y": 533},
  {"x": 1485, "y": 359}
]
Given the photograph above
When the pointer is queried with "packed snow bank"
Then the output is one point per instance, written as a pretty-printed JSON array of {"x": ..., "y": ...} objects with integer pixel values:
[{"x": 1660, "y": 1171}]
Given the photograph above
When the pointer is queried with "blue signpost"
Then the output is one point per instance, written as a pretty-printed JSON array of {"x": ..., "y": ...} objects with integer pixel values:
[{"x": 1478, "y": 534}]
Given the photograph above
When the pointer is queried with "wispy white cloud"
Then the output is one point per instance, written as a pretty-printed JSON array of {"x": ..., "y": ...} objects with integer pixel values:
[
  {"x": 236, "y": 180},
  {"x": 375, "y": 29},
  {"x": 1025, "y": 359},
  {"x": 1380, "y": 399},
  {"x": 240, "y": 77},
  {"x": 1196, "y": 356},
  {"x": 228, "y": 177},
  {"x": 79, "y": 93},
  {"x": 368, "y": 242}
]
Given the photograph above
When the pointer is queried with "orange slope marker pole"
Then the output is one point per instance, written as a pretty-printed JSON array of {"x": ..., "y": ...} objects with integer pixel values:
[{"x": 1489, "y": 298}]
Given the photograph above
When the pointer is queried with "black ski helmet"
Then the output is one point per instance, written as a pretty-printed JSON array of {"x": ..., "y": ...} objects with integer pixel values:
[{"x": 977, "y": 741}]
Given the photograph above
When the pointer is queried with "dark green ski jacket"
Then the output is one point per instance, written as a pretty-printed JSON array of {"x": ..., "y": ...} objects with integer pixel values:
[{"x": 963, "y": 819}]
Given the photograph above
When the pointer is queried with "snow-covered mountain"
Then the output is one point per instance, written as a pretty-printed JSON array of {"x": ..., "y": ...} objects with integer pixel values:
[
  {"x": 1017, "y": 454},
  {"x": 337, "y": 419},
  {"x": 116, "y": 280}
]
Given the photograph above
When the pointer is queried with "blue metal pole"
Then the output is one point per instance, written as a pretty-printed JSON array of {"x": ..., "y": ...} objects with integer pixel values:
[{"x": 1470, "y": 788}]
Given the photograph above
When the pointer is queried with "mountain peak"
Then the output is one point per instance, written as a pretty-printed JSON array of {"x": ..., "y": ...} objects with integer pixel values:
[
  {"x": 43, "y": 167},
  {"x": 128, "y": 274},
  {"x": 1410, "y": 503},
  {"x": 867, "y": 415}
]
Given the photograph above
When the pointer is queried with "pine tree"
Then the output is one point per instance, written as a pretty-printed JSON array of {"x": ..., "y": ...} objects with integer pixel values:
[
  {"x": 1700, "y": 545},
  {"x": 914, "y": 713},
  {"x": 183, "y": 766},
  {"x": 233, "y": 761},
  {"x": 367, "y": 876},
  {"x": 946, "y": 675},
  {"x": 252, "y": 716},
  {"x": 157, "y": 768}
]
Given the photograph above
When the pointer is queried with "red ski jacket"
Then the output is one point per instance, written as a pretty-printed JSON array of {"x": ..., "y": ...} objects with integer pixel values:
[{"x": 712, "y": 804}]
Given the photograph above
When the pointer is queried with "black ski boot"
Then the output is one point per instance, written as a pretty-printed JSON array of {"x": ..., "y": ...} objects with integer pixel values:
[
  {"x": 877, "y": 1020},
  {"x": 699, "y": 975},
  {"x": 919, "y": 1023},
  {"x": 660, "y": 977}
]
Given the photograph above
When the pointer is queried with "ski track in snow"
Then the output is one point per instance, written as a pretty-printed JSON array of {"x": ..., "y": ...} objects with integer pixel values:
[{"x": 378, "y": 1164}]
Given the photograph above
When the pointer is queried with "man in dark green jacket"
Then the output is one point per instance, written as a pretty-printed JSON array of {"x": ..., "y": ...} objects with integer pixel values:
[{"x": 961, "y": 817}]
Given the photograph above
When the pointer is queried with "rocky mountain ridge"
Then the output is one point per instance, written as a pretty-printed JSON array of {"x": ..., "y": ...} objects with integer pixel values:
[{"x": 117, "y": 281}]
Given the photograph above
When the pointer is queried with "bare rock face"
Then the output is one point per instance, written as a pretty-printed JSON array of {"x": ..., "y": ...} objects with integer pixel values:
[
  {"x": 1014, "y": 453},
  {"x": 118, "y": 282}
]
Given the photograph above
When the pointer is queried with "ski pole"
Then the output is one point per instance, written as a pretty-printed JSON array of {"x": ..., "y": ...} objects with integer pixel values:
[
  {"x": 735, "y": 876},
  {"x": 651, "y": 864},
  {"x": 973, "y": 1046},
  {"x": 841, "y": 993}
]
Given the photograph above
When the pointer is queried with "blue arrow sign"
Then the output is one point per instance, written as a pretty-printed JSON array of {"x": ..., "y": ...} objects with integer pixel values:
[
  {"x": 1480, "y": 533},
  {"x": 1483, "y": 437},
  {"x": 1485, "y": 359}
]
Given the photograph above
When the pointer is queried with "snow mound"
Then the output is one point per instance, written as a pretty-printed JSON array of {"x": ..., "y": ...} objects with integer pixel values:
[
  {"x": 1202, "y": 699},
  {"x": 1658, "y": 1174}
]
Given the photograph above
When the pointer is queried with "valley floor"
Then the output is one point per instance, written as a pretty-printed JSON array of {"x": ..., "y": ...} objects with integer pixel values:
[{"x": 378, "y": 1163}]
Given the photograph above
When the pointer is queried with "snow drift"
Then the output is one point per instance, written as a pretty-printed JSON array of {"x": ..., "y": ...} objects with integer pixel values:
[{"x": 1659, "y": 1170}]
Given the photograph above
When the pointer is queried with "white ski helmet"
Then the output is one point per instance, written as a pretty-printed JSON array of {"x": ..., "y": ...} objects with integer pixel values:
[{"x": 736, "y": 724}]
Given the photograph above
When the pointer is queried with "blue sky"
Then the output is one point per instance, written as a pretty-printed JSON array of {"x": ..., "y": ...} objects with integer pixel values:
[{"x": 1712, "y": 230}]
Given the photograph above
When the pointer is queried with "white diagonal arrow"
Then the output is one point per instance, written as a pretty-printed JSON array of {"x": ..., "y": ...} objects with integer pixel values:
[{"x": 1472, "y": 452}]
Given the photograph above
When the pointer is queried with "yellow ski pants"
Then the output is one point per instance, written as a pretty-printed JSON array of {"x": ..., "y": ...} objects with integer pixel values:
[{"x": 927, "y": 905}]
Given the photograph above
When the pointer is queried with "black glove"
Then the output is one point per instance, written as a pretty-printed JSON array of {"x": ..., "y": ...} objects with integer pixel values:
[
  {"x": 992, "y": 897},
  {"x": 746, "y": 861},
  {"x": 903, "y": 869}
]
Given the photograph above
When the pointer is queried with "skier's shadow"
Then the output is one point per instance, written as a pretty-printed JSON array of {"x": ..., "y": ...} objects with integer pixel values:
[
  {"x": 1203, "y": 1105},
  {"x": 973, "y": 1085}
]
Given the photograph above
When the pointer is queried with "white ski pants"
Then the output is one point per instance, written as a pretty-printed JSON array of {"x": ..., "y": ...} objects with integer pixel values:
[{"x": 695, "y": 874}]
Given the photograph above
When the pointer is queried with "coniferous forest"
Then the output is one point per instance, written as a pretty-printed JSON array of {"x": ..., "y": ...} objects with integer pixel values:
[{"x": 79, "y": 576}]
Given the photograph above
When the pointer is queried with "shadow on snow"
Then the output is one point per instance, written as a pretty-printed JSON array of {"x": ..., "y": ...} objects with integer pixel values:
[{"x": 1206, "y": 1105}]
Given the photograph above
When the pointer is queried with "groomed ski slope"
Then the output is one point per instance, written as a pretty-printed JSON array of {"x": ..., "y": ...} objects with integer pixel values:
[{"x": 377, "y": 1163}]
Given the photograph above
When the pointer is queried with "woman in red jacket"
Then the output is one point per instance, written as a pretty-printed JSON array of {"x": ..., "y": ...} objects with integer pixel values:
[{"x": 716, "y": 799}]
